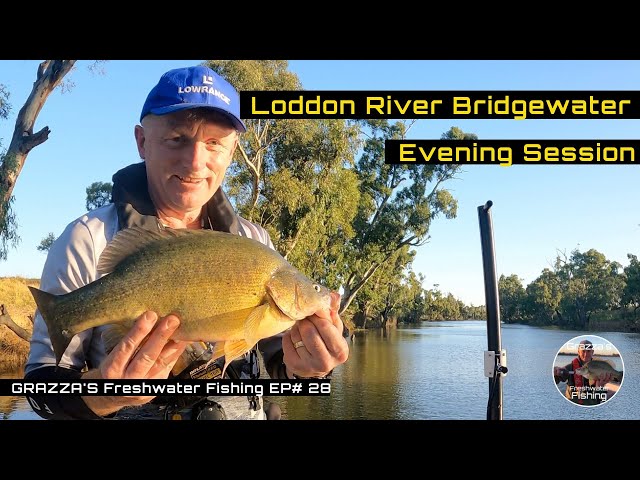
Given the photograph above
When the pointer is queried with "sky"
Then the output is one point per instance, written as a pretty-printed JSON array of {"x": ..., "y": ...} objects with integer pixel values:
[{"x": 538, "y": 210}]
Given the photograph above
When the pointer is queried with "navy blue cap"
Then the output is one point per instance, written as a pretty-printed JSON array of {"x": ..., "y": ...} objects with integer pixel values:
[{"x": 194, "y": 87}]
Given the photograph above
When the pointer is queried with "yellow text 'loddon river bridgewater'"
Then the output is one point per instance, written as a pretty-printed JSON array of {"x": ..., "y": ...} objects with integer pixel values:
[
  {"x": 509, "y": 152},
  {"x": 516, "y": 105}
]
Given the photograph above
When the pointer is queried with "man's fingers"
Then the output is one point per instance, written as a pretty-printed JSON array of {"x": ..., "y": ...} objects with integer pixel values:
[
  {"x": 295, "y": 347},
  {"x": 148, "y": 354},
  {"x": 335, "y": 301},
  {"x": 331, "y": 335},
  {"x": 122, "y": 353},
  {"x": 167, "y": 359}
]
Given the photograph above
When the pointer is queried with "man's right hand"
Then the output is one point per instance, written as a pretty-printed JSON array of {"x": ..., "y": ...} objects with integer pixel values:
[
  {"x": 560, "y": 374},
  {"x": 145, "y": 352}
]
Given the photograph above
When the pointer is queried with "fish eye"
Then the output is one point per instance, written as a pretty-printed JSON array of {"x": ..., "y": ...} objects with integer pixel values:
[{"x": 317, "y": 288}]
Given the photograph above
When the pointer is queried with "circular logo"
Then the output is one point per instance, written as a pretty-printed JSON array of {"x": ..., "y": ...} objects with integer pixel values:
[{"x": 588, "y": 370}]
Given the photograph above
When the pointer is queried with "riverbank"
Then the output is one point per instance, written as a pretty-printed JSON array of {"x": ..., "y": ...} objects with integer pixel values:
[{"x": 621, "y": 320}]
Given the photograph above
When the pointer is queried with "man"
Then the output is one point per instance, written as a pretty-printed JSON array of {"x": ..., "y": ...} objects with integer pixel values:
[
  {"x": 187, "y": 137},
  {"x": 579, "y": 389}
]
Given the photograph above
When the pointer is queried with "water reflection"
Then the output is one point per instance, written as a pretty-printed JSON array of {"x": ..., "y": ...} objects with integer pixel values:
[
  {"x": 15, "y": 408},
  {"x": 435, "y": 371}
]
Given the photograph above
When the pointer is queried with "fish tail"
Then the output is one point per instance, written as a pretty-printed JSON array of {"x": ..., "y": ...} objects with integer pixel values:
[{"x": 48, "y": 305}]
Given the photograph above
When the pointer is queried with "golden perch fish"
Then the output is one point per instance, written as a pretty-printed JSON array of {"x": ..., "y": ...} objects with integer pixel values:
[
  {"x": 595, "y": 368},
  {"x": 225, "y": 288}
]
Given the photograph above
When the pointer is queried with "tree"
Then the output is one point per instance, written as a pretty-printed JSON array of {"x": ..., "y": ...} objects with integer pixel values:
[
  {"x": 512, "y": 296},
  {"x": 49, "y": 76},
  {"x": 631, "y": 293},
  {"x": 336, "y": 220},
  {"x": 590, "y": 283},
  {"x": 413, "y": 298},
  {"x": 542, "y": 299},
  {"x": 391, "y": 293},
  {"x": 98, "y": 195},
  {"x": 256, "y": 146},
  {"x": 397, "y": 204},
  {"x": 46, "y": 242}
]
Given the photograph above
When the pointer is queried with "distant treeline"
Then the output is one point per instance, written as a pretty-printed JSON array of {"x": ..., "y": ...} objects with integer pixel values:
[
  {"x": 387, "y": 303},
  {"x": 582, "y": 291}
]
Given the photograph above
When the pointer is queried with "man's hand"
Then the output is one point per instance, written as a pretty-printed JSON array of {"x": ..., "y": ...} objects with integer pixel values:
[
  {"x": 145, "y": 352},
  {"x": 560, "y": 374},
  {"x": 322, "y": 349}
]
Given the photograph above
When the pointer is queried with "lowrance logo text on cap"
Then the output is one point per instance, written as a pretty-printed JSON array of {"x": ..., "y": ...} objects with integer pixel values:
[{"x": 206, "y": 79}]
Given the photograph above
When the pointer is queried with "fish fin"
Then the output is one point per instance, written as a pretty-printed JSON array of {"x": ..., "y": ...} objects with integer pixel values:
[
  {"x": 112, "y": 335},
  {"x": 232, "y": 350},
  {"x": 133, "y": 239},
  {"x": 218, "y": 351},
  {"x": 48, "y": 305},
  {"x": 252, "y": 324}
]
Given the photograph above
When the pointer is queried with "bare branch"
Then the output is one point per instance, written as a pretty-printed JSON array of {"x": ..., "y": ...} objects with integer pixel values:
[{"x": 34, "y": 140}]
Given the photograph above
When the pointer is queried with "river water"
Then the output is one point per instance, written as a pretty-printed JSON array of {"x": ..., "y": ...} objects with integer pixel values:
[{"x": 436, "y": 371}]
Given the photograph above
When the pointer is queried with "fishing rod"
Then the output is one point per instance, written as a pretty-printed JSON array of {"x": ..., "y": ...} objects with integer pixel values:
[{"x": 495, "y": 358}]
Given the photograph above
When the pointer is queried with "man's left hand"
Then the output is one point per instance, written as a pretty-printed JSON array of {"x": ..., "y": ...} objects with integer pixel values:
[{"x": 320, "y": 345}]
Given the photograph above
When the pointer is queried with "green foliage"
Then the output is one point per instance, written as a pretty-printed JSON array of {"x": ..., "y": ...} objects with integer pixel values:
[
  {"x": 631, "y": 293},
  {"x": 346, "y": 223},
  {"x": 542, "y": 299},
  {"x": 512, "y": 297},
  {"x": 590, "y": 283},
  {"x": 8, "y": 229},
  {"x": 8, "y": 225},
  {"x": 393, "y": 294},
  {"x": 5, "y": 106},
  {"x": 441, "y": 307},
  {"x": 98, "y": 195},
  {"x": 397, "y": 203},
  {"x": 582, "y": 287},
  {"x": 46, "y": 242},
  {"x": 249, "y": 175}
]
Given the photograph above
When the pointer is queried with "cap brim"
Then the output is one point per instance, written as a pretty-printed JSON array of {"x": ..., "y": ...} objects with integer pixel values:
[{"x": 237, "y": 123}]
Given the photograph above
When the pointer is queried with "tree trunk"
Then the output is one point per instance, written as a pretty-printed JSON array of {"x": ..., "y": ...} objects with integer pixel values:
[{"x": 350, "y": 292}]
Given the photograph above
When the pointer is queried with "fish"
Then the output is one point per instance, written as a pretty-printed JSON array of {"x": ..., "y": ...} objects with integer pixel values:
[
  {"x": 593, "y": 369},
  {"x": 225, "y": 288}
]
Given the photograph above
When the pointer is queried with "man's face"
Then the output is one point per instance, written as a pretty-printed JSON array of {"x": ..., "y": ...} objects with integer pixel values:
[
  {"x": 585, "y": 352},
  {"x": 186, "y": 159}
]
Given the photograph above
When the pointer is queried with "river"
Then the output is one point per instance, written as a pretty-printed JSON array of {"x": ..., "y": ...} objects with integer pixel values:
[{"x": 435, "y": 371}]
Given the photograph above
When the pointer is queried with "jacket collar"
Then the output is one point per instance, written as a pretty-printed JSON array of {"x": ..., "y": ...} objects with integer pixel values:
[{"x": 130, "y": 195}]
